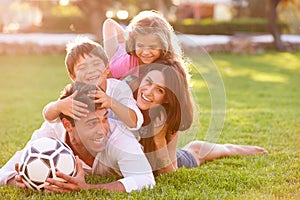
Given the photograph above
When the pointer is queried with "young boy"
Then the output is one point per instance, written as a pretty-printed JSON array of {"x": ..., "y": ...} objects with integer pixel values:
[{"x": 87, "y": 62}]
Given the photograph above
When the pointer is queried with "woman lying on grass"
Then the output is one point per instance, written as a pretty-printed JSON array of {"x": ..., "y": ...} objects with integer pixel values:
[{"x": 164, "y": 100}]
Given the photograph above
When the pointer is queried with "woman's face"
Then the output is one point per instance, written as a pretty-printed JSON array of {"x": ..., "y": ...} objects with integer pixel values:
[
  {"x": 152, "y": 90},
  {"x": 147, "y": 48}
]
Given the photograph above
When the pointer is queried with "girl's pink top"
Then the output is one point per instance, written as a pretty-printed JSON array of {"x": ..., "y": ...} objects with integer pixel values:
[{"x": 122, "y": 63}]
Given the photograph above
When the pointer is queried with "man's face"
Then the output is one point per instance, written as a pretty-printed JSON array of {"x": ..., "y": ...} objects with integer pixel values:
[
  {"x": 90, "y": 69},
  {"x": 92, "y": 130}
]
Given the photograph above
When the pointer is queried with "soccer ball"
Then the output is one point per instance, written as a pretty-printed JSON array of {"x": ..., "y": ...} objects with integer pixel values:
[{"x": 42, "y": 158}]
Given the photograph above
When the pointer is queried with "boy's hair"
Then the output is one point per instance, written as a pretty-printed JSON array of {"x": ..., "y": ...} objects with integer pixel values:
[
  {"x": 152, "y": 22},
  {"x": 82, "y": 96},
  {"x": 83, "y": 46}
]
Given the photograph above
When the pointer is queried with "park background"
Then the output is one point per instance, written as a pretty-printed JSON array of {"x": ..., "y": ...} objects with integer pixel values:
[{"x": 260, "y": 72}]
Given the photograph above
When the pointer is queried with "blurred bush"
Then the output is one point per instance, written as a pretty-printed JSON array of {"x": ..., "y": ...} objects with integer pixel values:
[
  {"x": 209, "y": 26},
  {"x": 63, "y": 19},
  {"x": 79, "y": 24},
  {"x": 65, "y": 24}
]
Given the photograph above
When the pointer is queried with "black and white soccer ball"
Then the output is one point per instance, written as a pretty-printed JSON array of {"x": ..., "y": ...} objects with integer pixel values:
[{"x": 42, "y": 158}]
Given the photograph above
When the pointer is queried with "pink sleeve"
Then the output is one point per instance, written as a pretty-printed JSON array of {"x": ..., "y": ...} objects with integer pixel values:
[{"x": 121, "y": 63}]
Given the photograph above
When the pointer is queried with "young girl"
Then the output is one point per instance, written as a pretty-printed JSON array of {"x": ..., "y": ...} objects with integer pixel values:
[{"x": 149, "y": 37}]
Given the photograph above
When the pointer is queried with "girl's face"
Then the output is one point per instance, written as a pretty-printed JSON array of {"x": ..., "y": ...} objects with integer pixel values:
[
  {"x": 152, "y": 90},
  {"x": 147, "y": 48}
]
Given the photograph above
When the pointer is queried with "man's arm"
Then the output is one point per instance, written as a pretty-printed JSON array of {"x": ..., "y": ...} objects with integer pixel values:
[
  {"x": 8, "y": 172},
  {"x": 78, "y": 182},
  {"x": 126, "y": 151},
  {"x": 125, "y": 155}
]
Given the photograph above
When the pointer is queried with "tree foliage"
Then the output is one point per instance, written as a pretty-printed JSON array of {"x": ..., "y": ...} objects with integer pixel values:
[{"x": 95, "y": 10}]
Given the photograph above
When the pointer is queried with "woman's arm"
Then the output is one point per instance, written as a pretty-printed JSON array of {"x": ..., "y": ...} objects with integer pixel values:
[
  {"x": 166, "y": 153},
  {"x": 161, "y": 151}
]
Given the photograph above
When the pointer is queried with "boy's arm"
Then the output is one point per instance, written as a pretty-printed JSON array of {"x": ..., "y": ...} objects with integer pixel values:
[
  {"x": 67, "y": 106},
  {"x": 125, "y": 114},
  {"x": 119, "y": 99},
  {"x": 113, "y": 34}
]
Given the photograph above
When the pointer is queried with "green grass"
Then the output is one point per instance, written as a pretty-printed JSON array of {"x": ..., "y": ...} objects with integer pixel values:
[{"x": 262, "y": 108}]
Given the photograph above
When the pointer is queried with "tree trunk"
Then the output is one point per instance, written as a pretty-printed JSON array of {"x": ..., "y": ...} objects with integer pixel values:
[
  {"x": 161, "y": 7},
  {"x": 95, "y": 10},
  {"x": 273, "y": 25},
  {"x": 96, "y": 22}
]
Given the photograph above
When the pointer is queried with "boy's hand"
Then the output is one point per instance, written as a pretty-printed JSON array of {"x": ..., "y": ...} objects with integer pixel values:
[
  {"x": 101, "y": 97},
  {"x": 72, "y": 108}
]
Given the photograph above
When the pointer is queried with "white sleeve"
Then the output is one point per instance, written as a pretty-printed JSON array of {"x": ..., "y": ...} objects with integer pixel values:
[
  {"x": 52, "y": 130},
  {"x": 132, "y": 162},
  {"x": 8, "y": 170},
  {"x": 121, "y": 92}
]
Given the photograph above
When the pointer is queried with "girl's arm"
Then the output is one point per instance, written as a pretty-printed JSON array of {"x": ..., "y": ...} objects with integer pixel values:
[{"x": 113, "y": 35}]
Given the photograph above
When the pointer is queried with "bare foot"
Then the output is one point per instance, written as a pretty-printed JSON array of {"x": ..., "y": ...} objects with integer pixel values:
[{"x": 245, "y": 150}]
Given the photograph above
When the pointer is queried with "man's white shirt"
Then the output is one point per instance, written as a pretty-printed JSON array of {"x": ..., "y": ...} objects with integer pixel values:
[{"x": 123, "y": 156}]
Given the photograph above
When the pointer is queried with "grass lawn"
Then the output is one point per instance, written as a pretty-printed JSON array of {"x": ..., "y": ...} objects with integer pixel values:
[{"x": 262, "y": 108}]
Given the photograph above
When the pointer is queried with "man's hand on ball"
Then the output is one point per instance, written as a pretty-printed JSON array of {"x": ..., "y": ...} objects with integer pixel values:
[{"x": 71, "y": 183}]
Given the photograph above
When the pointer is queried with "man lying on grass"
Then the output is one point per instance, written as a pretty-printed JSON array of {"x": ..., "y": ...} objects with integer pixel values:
[{"x": 102, "y": 148}]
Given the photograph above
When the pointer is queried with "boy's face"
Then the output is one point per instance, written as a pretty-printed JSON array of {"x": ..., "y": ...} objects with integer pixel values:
[
  {"x": 91, "y": 131},
  {"x": 90, "y": 69}
]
